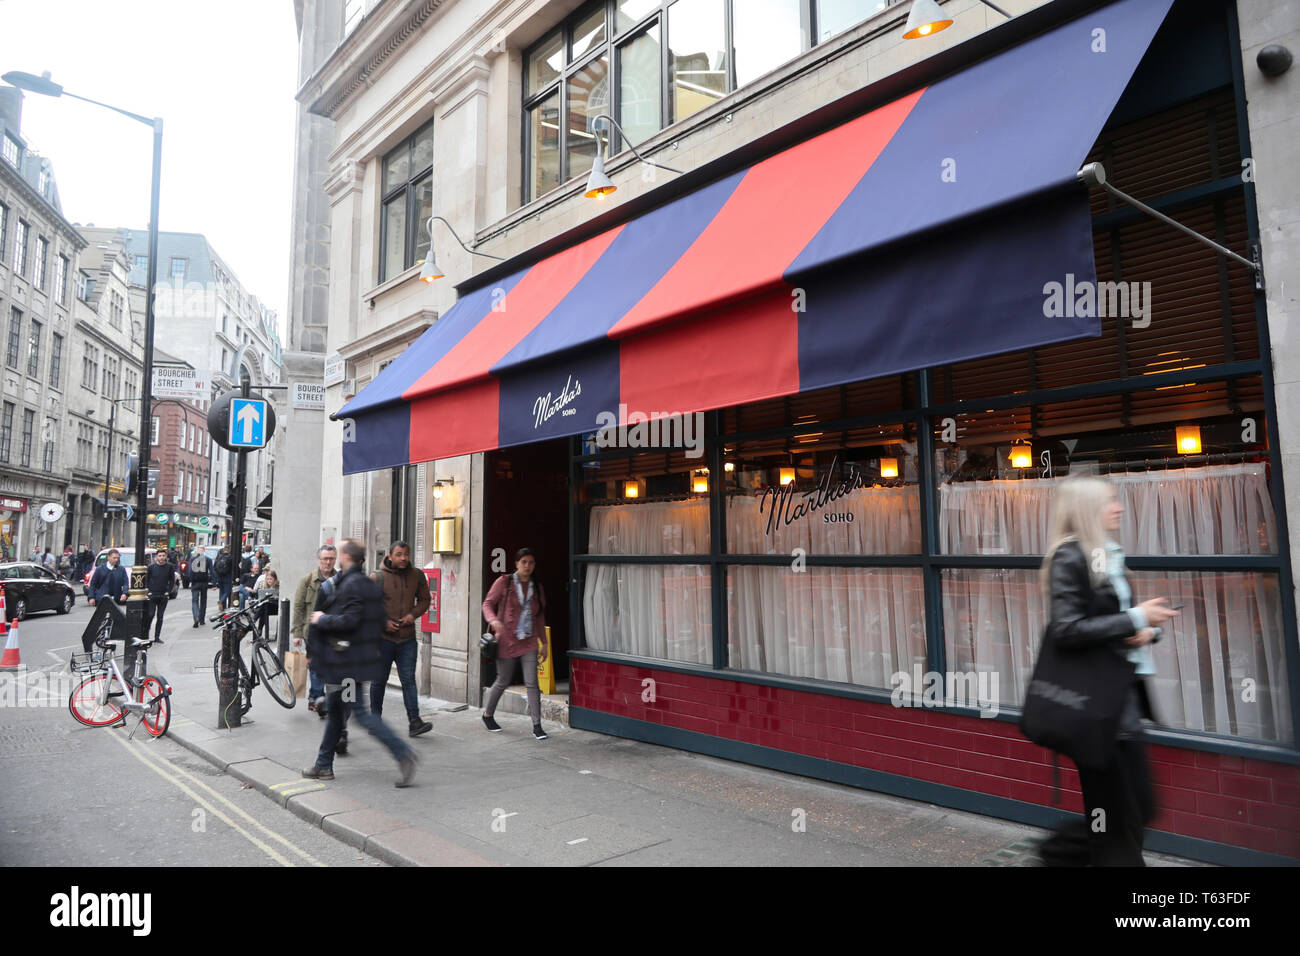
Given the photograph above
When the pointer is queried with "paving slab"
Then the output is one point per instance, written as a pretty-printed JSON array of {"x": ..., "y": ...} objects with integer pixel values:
[
  {"x": 318, "y": 804},
  {"x": 415, "y": 847},
  {"x": 267, "y": 776},
  {"x": 354, "y": 827}
]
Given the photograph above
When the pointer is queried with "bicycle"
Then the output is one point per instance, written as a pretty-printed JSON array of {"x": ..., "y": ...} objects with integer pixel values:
[
  {"x": 267, "y": 665},
  {"x": 105, "y": 696}
]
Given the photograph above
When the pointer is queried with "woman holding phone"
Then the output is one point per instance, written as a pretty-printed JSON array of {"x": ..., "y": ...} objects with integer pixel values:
[{"x": 1091, "y": 599}]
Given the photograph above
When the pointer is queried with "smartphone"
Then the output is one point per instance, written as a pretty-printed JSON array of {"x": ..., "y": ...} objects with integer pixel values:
[{"x": 1178, "y": 607}]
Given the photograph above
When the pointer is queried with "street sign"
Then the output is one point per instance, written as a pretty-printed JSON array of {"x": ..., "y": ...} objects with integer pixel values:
[
  {"x": 161, "y": 517},
  {"x": 51, "y": 511},
  {"x": 228, "y": 429},
  {"x": 130, "y": 512},
  {"x": 247, "y": 423},
  {"x": 180, "y": 383},
  {"x": 334, "y": 368},
  {"x": 204, "y": 520},
  {"x": 308, "y": 395}
]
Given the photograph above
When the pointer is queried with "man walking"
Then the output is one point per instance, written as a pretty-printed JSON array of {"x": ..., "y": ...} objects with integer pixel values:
[
  {"x": 344, "y": 645},
  {"x": 406, "y": 597},
  {"x": 224, "y": 566},
  {"x": 304, "y": 600},
  {"x": 109, "y": 580},
  {"x": 158, "y": 582},
  {"x": 200, "y": 568}
]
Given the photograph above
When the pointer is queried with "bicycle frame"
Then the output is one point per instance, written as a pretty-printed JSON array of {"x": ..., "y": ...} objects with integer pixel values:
[{"x": 129, "y": 686}]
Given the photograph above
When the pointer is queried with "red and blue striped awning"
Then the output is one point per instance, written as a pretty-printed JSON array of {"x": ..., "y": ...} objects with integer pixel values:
[{"x": 918, "y": 234}]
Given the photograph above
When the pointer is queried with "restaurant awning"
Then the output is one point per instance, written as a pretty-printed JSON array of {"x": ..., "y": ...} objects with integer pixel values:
[{"x": 923, "y": 232}]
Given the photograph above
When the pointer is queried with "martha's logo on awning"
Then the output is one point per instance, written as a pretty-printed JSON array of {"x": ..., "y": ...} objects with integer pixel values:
[{"x": 548, "y": 405}]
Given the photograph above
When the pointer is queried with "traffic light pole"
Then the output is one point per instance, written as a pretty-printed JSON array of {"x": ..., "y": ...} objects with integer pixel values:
[{"x": 228, "y": 705}]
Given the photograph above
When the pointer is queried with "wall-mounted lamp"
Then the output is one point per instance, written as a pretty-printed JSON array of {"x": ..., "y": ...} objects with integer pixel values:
[
  {"x": 439, "y": 482},
  {"x": 700, "y": 481},
  {"x": 1188, "y": 438},
  {"x": 787, "y": 476},
  {"x": 1022, "y": 455},
  {"x": 729, "y": 466},
  {"x": 430, "y": 271},
  {"x": 889, "y": 468},
  {"x": 927, "y": 18},
  {"x": 632, "y": 488},
  {"x": 599, "y": 185}
]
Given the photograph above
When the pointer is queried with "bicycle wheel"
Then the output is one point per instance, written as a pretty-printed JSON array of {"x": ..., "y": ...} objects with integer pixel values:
[
  {"x": 245, "y": 692},
  {"x": 159, "y": 716},
  {"x": 84, "y": 705},
  {"x": 274, "y": 676}
]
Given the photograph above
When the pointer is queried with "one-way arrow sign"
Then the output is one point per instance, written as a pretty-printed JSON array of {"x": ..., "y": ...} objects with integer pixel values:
[{"x": 247, "y": 423}]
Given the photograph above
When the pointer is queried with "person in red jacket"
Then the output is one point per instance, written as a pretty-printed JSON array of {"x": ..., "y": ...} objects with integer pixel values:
[{"x": 515, "y": 608}]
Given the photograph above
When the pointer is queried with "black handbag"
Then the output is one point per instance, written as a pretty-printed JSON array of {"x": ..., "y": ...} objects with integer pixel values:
[
  {"x": 488, "y": 644},
  {"x": 1075, "y": 701}
]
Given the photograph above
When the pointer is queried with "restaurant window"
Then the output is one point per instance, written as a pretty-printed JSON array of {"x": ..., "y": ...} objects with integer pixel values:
[{"x": 407, "y": 203}]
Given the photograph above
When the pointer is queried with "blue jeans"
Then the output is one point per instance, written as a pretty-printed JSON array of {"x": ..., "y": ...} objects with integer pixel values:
[
  {"x": 223, "y": 592},
  {"x": 317, "y": 688},
  {"x": 404, "y": 655},
  {"x": 199, "y": 601},
  {"x": 340, "y": 707}
]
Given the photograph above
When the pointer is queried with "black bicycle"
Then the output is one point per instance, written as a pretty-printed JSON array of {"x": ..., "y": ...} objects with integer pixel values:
[{"x": 267, "y": 668}]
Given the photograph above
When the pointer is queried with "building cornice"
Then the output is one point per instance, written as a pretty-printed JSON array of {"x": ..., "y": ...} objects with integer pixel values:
[
  {"x": 12, "y": 176},
  {"x": 400, "y": 332},
  {"x": 347, "y": 178},
  {"x": 364, "y": 54}
]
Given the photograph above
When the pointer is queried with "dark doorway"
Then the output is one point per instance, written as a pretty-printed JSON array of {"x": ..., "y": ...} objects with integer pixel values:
[{"x": 526, "y": 504}]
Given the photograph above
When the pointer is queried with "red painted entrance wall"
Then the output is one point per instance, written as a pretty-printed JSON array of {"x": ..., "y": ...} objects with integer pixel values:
[{"x": 1248, "y": 803}]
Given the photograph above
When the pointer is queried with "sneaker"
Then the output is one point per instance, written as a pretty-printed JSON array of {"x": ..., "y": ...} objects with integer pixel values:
[
  {"x": 419, "y": 726},
  {"x": 311, "y": 705},
  {"x": 159, "y": 640},
  {"x": 341, "y": 748},
  {"x": 320, "y": 707},
  {"x": 538, "y": 732},
  {"x": 318, "y": 773},
  {"x": 407, "y": 767},
  {"x": 197, "y": 623},
  {"x": 491, "y": 724}
]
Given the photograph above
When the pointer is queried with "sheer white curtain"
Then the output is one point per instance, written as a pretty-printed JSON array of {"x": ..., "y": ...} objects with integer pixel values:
[{"x": 1229, "y": 631}]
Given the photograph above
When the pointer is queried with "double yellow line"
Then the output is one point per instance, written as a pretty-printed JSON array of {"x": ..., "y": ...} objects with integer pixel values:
[{"x": 178, "y": 777}]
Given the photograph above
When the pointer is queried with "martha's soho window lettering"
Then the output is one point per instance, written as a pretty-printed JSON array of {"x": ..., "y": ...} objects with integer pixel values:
[
  {"x": 407, "y": 174},
  {"x": 852, "y": 533},
  {"x": 652, "y": 63}
]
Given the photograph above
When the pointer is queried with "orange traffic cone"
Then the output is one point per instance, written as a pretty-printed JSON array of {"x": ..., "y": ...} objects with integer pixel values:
[{"x": 11, "y": 659}]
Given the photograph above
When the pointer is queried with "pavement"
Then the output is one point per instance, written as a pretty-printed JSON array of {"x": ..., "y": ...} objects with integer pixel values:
[{"x": 576, "y": 799}]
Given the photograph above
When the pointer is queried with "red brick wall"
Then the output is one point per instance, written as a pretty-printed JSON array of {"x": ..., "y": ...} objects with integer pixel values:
[
  {"x": 1241, "y": 802},
  {"x": 167, "y": 456}
]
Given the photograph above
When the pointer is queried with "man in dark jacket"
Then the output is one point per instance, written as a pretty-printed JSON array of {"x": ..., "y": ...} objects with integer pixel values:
[
  {"x": 158, "y": 582},
  {"x": 343, "y": 644},
  {"x": 85, "y": 561},
  {"x": 406, "y": 597},
  {"x": 199, "y": 571},
  {"x": 109, "y": 580},
  {"x": 224, "y": 566}
]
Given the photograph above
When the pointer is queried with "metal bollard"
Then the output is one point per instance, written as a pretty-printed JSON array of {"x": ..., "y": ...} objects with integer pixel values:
[{"x": 284, "y": 630}]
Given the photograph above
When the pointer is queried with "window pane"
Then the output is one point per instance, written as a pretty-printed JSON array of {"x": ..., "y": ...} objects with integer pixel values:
[
  {"x": 1230, "y": 627},
  {"x": 836, "y": 16},
  {"x": 662, "y": 611},
  {"x": 397, "y": 167},
  {"x": 644, "y": 503},
  {"x": 394, "y": 237},
  {"x": 767, "y": 33},
  {"x": 697, "y": 62},
  {"x": 639, "y": 109},
  {"x": 632, "y": 12},
  {"x": 545, "y": 63},
  {"x": 424, "y": 209},
  {"x": 423, "y": 156},
  {"x": 852, "y": 625},
  {"x": 588, "y": 98},
  {"x": 838, "y": 493},
  {"x": 588, "y": 34},
  {"x": 544, "y": 146}
]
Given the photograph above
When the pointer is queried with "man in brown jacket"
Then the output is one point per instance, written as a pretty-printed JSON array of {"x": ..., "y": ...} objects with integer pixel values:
[{"x": 406, "y": 597}]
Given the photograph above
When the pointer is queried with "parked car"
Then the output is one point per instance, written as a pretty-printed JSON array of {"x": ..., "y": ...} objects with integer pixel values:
[
  {"x": 30, "y": 587},
  {"x": 127, "y": 559}
]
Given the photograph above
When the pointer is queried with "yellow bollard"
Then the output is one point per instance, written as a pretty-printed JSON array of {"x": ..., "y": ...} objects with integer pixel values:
[{"x": 546, "y": 671}]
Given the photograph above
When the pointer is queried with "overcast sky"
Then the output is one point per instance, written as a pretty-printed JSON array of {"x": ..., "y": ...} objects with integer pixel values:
[{"x": 221, "y": 75}]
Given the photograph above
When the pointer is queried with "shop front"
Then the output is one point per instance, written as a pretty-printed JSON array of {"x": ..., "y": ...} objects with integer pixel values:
[{"x": 805, "y": 418}]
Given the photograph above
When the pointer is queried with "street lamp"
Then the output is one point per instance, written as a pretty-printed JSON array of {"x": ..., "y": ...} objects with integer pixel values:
[{"x": 138, "y": 597}]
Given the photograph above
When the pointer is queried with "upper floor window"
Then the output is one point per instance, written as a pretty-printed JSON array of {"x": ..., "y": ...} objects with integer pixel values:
[
  {"x": 29, "y": 428},
  {"x": 142, "y": 262},
  {"x": 90, "y": 367},
  {"x": 4, "y": 229},
  {"x": 178, "y": 267},
  {"x": 61, "y": 280},
  {"x": 652, "y": 63},
  {"x": 6, "y": 430},
  {"x": 83, "y": 285},
  {"x": 110, "y": 376},
  {"x": 352, "y": 12},
  {"x": 42, "y": 257},
  {"x": 11, "y": 150},
  {"x": 43, "y": 182},
  {"x": 56, "y": 360},
  {"x": 20, "y": 248},
  {"x": 34, "y": 350},
  {"x": 408, "y": 203},
  {"x": 116, "y": 308},
  {"x": 15, "y": 338},
  {"x": 153, "y": 431}
]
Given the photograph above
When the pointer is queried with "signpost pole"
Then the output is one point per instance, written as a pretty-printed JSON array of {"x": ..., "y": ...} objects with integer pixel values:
[{"x": 228, "y": 714}]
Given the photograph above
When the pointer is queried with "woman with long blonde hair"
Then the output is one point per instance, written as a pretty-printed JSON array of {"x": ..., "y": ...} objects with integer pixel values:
[{"x": 1090, "y": 597}]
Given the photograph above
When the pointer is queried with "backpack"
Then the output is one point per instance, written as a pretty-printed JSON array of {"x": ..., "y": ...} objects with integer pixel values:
[{"x": 223, "y": 564}]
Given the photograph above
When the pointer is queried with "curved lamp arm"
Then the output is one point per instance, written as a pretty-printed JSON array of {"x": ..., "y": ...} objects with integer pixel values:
[
  {"x": 473, "y": 252},
  {"x": 613, "y": 122}
]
